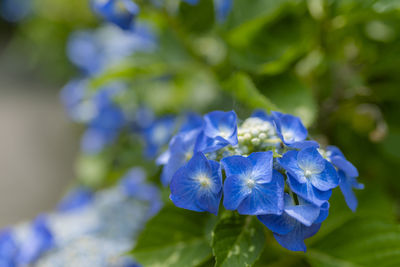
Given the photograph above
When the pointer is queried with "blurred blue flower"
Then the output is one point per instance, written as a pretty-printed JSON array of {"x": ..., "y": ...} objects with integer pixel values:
[
  {"x": 158, "y": 134},
  {"x": 291, "y": 131},
  {"x": 75, "y": 199},
  {"x": 309, "y": 174},
  {"x": 38, "y": 241},
  {"x": 8, "y": 248},
  {"x": 109, "y": 119},
  {"x": 74, "y": 98},
  {"x": 198, "y": 185},
  {"x": 220, "y": 130},
  {"x": 222, "y": 9},
  {"x": 251, "y": 185},
  {"x": 93, "y": 51},
  {"x": 297, "y": 222},
  {"x": 134, "y": 185},
  {"x": 181, "y": 146},
  {"x": 15, "y": 10},
  {"x": 119, "y": 12},
  {"x": 347, "y": 174}
]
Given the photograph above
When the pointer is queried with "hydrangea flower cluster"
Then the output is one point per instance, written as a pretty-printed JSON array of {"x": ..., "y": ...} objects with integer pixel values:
[
  {"x": 264, "y": 166},
  {"x": 88, "y": 229}
]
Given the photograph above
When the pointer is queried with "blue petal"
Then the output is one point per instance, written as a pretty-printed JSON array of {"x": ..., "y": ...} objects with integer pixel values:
[
  {"x": 180, "y": 149},
  {"x": 186, "y": 191},
  {"x": 262, "y": 165},
  {"x": 75, "y": 199},
  {"x": 234, "y": 192},
  {"x": 324, "y": 212},
  {"x": 207, "y": 144},
  {"x": 289, "y": 128},
  {"x": 294, "y": 240},
  {"x": 303, "y": 144},
  {"x": 236, "y": 165},
  {"x": 39, "y": 240},
  {"x": 261, "y": 114},
  {"x": 305, "y": 213},
  {"x": 342, "y": 164},
  {"x": 265, "y": 198},
  {"x": 326, "y": 180},
  {"x": 279, "y": 224},
  {"x": 310, "y": 159},
  {"x": 308, "y": 192},
  {"x": 221, "y": 124},
  {"x": 111, "y": 11},
  {"x": 193, "y": 121},
  {"x": 222, "y": 9},
  {"x": 290, "y": 164},
  {"x": 8, "y": 246},
  {"x": 346, "y": 186}
]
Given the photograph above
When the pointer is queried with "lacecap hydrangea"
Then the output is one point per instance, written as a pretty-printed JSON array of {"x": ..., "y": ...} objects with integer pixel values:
[{"x": 265, "y": 166}]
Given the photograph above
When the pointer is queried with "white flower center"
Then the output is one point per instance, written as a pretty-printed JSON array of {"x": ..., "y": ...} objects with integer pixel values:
[
  {"x": 288, "y": 135},
  {"x": 225, "y": 132},
  {"x": 250, "y": 183},
  {"x": 307, "y": 173},
  {"x": 204, "y": 180}
]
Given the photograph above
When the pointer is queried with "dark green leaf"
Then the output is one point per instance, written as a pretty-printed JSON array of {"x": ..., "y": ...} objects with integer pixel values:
[
  {"x": 174, "y": 237},
  {"x": 237, "y": 240},
  {"x": 243, "y": 89}
]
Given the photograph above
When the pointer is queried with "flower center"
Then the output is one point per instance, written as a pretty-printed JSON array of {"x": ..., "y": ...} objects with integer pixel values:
[
  {"x": 288, "y": 136},
  {"x": 204, "y": 181},
  {"x": 308, "y": 173},
  {"x": 120, "y": 7},
  {"x": 225, "y": 132},
  {"x": 250, "y": 183}
]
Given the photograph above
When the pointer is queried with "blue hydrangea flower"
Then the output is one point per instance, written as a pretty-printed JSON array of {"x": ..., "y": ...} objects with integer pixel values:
[
  {"x": 15, "y": 10},
  {"x": 8, "y": 248},
  {"x": 222, "y": 9},
  {"x": 94, "y": 51},
  {"x": 39, "y": 240},
  {"x": 73, "y": 96},
  {"x": 297, "y": 222},
  {"x": 309, "y": 174},
  {"x": 75, "y": 199},
  {"x": 220, "y": 130},
  {"x": 348, "y": 175},
  {"x": 291, "y": 131},
  {"x": 181, "y": 147},
  {"x": 134, "y": 185},
  {"x": 119, "y": 12},
  {"x": 158, "y": 135},
  {"x": 198, "y": 185},
  {"x": 251, "y": 185}
]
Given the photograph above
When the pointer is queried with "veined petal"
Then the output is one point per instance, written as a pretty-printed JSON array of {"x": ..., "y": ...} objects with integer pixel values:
[
  {"x": 235, "y": 191},
  {"x": 279, "y": 224},
  {"x": 306, "y": 212},
  {"x": 236, "y": 165},
  {"x": 262, "y": 165},
  {"x": 184, "y": 191},
  {"x": 326, "y": 180},
  {"x": 289, "y": 163},
  {"x": 294, "y": 240},
  {"x": 309, "y": 159},
  {"x": 342, "y": 164},
  {"x": 265, "y": 198},
  {"x": 308, "y": 192}
]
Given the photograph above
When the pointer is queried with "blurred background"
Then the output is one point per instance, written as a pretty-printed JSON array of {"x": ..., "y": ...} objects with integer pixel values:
[
  {"x": 334, "y": 63},
  {"x": 38, "y": 144}
]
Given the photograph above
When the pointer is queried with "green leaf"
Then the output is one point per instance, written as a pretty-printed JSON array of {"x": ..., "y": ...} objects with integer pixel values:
[
  {"x": 237, "y": 240},
  {"x": 359, "y": 242},
  {"x": 243, "y": 89},
  {"x": 291, "y": 96},
  {"x": 174, "y": 237}
]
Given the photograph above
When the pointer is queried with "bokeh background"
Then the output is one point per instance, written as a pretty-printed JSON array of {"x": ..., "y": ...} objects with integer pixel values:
[{"x": 334, "y": 63}]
